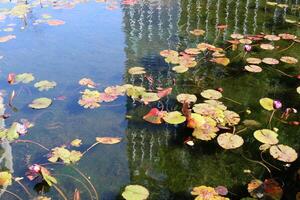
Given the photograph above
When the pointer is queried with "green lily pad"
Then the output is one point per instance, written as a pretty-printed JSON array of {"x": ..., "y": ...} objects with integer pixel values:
[
  {"x": 24, "y": 78},
  {"x": 45, "y": 85},
  {"x": 211, "y": 94},
  {"x": 174, "y": 117},
  {"x": 40, "y": 103},
  {"x": 65, "y": 155},
  {"x": 267, "y": 103},
  {"x": 150, "y": 97},
  {"x": 266, "y": 136},
  {"x": 135, "y": 192}
]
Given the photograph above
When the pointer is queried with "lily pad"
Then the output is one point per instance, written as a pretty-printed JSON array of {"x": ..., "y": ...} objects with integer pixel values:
[
  {"x": 136, "y": 70},
  {"x": 230, "y": 141},
  {"x": 222, "y": 61},
  {"x": 45, "y": 85},
  {"x": 283, "y": 153},
  {"x": 253, "y": 68},
  {"x": 272, "y": 37},
  {"x": 24, "y": 78},
  {"x": 65, "y": 155},
  {"x": 180, "y": 69},
  {"x": 266, "y": 136},
  {"x": 149, "y": 97},
  {"x": 298, "y": 90},
  {"x": 270, "y": 61},
  {"x": 174, "y": 117},
  {"x": 76, "y": 143},
  {"x": 267, "y": 103},
  {"x": 197, "y": 32},
  {"x": 211, "y": 94},
  {"x": 108, "y": 140},
  {"x": 254, "y": 61},
  {"x": 40, "y": 103},
  {"x": 289, "y": 60},
  {"x": 135, "y": 192},
  {"x": 186, "y": 98},
  {"x": 154, "y": 116},
  {"x": 267, "y": 46}
]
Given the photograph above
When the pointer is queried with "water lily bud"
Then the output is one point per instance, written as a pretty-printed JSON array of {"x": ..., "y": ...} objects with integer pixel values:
[
  {"x": 275, "y": 129},
  {"x": 220, "y": 89},
  {"x": 295, "y": 123},
  {"x": 35, "y": 168},
  {"x": 294, "y": 110},
  {"x": 277, "y": 104},
  {"x": 298, "y": 76},
  {"x": 247, "y": 48}
]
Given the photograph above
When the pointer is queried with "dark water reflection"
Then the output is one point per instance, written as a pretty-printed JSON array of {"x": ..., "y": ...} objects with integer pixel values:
[{"x": 101, "y": 42}]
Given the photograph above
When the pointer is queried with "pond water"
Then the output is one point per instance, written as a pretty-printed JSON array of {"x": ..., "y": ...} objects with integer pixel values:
[{"x": 101, "y": 40}]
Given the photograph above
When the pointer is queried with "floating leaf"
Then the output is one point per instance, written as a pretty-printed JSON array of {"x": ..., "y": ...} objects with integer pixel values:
[
  {"x": 222, "y": 61},
  {"x": 186, "y": 98},
  {"x": 47, "y": 176},
  {"x": 24, "y": 78},
  {"x": 264, "y": 147},
  {"x": 154, "y": 116},
  {"x": 45, "y": 85},
  {"x": 253, "y": 68},
  {"x": 272, "y": 189},
  {"x": 206, "y": 193},
  {"x": 197, "y": 32},
  {"x": 207, "y": 130},
  {"x": 174, "y": 117},
  {"x": 104, "y": 97},
  {"x": 76, "y": 143},
  {"x": 135, "y": 92},
  {"x": 135, "y": 192},
  {"x": 245, "y": 41},
  {"x": 136, "y": 70},
  {"x": 192, "y": 51},
  {"x": 283, "y": 153},
  {"x": 108, "y": 140},
  {"x": 211, "y": 94},
  {"x": 288, "y": 59},
  {"x": 256, "y": 188},
  {"x": 221, "y": 190},
  {"x": 167, "y": 53},
  {"x": 149, "y": 97},
  {"x": 90, "y": 99},
  {"x": 20, "y": 10},
  {"x": 180, "y": 69},
  {"x": 164, "y": 93},
  {"x": 65, "y": 155},
  {"x": 7, "y": 38},
  {"x": 40, "y": 103},
  {"x": 298, "y": 90},
  {"x": 267, "y": 46},
  {"x": 55, "y": 22},
  {"x": 87, "y": 82},
  {"x": 266, "y": 136},
  {"x": 216, "y": 104},
  {"x": 231, "y": 118},
  {"x": 267, "y": 103},
  {"x": 272, "y": 37},
  {"x": 287, "y": 36},
  {"x": 254, "y": 61},
  {"x": 5, "y": 178},
  {"x": 236, "y": 36},
  {"x": 251, "y": 123},
  {"x": 230, "y": 141}
]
